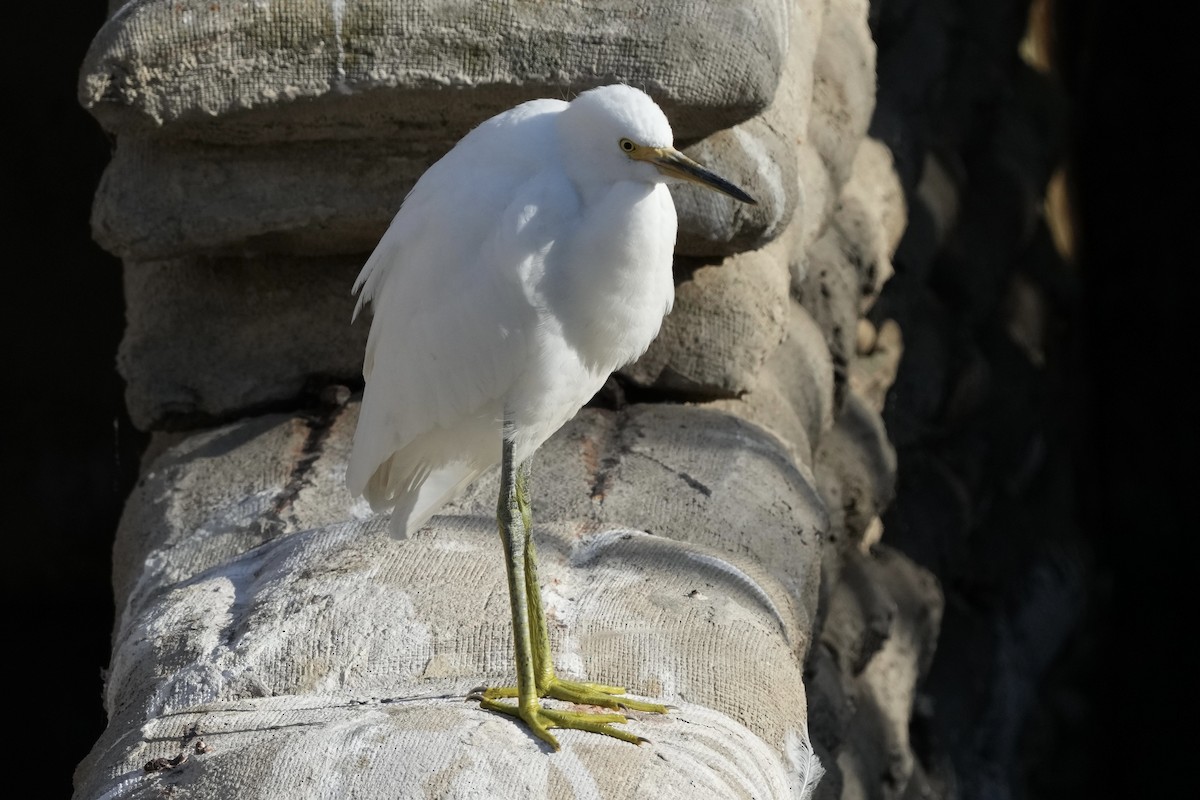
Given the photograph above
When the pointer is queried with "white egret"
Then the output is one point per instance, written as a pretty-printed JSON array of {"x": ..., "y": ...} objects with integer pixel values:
[{"x": 524, "y": 267}]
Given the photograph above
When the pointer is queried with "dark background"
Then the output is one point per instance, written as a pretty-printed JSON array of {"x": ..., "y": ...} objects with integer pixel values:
[
  {"x": 1129, "y": 69},
  {"x": 69, "y": 454}
]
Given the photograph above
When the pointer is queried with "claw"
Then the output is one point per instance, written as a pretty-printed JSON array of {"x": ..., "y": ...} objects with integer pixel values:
[
  {"x": 595, "y": 694},
  {"x": 587, "y": 694},
  {"x": 541, "y": 719}
]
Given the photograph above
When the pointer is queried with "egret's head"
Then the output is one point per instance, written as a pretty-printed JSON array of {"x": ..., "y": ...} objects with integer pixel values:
[{"x": 619, "y": 132}]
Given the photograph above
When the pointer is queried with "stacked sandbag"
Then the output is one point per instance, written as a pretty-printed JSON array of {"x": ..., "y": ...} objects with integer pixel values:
[
  {"x": 692, "y": 529},
  {"x": 253, "y": 137}
]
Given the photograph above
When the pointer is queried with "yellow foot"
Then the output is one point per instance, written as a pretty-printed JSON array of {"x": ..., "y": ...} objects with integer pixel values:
[
  {"x": 540, "y": 719},
  {"x": 590, "y": 694}
]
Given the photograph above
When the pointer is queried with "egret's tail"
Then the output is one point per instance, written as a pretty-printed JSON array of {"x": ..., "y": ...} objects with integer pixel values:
[
  {"x": 416, "y": 480},
  {"x": 414, "y": 506}
]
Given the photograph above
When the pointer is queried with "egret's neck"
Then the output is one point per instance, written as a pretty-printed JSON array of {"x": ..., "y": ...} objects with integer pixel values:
[{"x": 613, "y": 284}]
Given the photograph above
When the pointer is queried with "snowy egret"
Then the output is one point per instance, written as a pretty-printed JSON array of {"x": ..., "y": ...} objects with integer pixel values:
[{"x": 524, "y": 267}]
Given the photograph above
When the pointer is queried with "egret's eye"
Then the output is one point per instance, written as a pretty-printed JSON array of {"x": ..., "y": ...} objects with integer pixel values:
[{"x": 627, "y": 145}]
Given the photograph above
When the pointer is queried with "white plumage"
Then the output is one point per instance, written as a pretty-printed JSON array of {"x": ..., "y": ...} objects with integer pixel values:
[{"x": 522, "y": 269}]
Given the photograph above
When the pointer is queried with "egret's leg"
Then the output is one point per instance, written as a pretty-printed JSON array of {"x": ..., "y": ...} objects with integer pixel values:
[
  {"x": 543, "y": 662},
  {"x": 510, "y": 517},
  {"x": 547, "y": 682}
]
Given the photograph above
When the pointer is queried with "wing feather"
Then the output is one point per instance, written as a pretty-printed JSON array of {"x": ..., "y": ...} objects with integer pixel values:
[{"x": 454, "y": 289}]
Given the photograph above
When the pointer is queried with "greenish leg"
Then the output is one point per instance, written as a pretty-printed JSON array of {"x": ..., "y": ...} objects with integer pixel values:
[
  {"x": 548, "y": 683},
  {"x": 531, "y": 640},
  {"x": 543, "y": 663}
]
